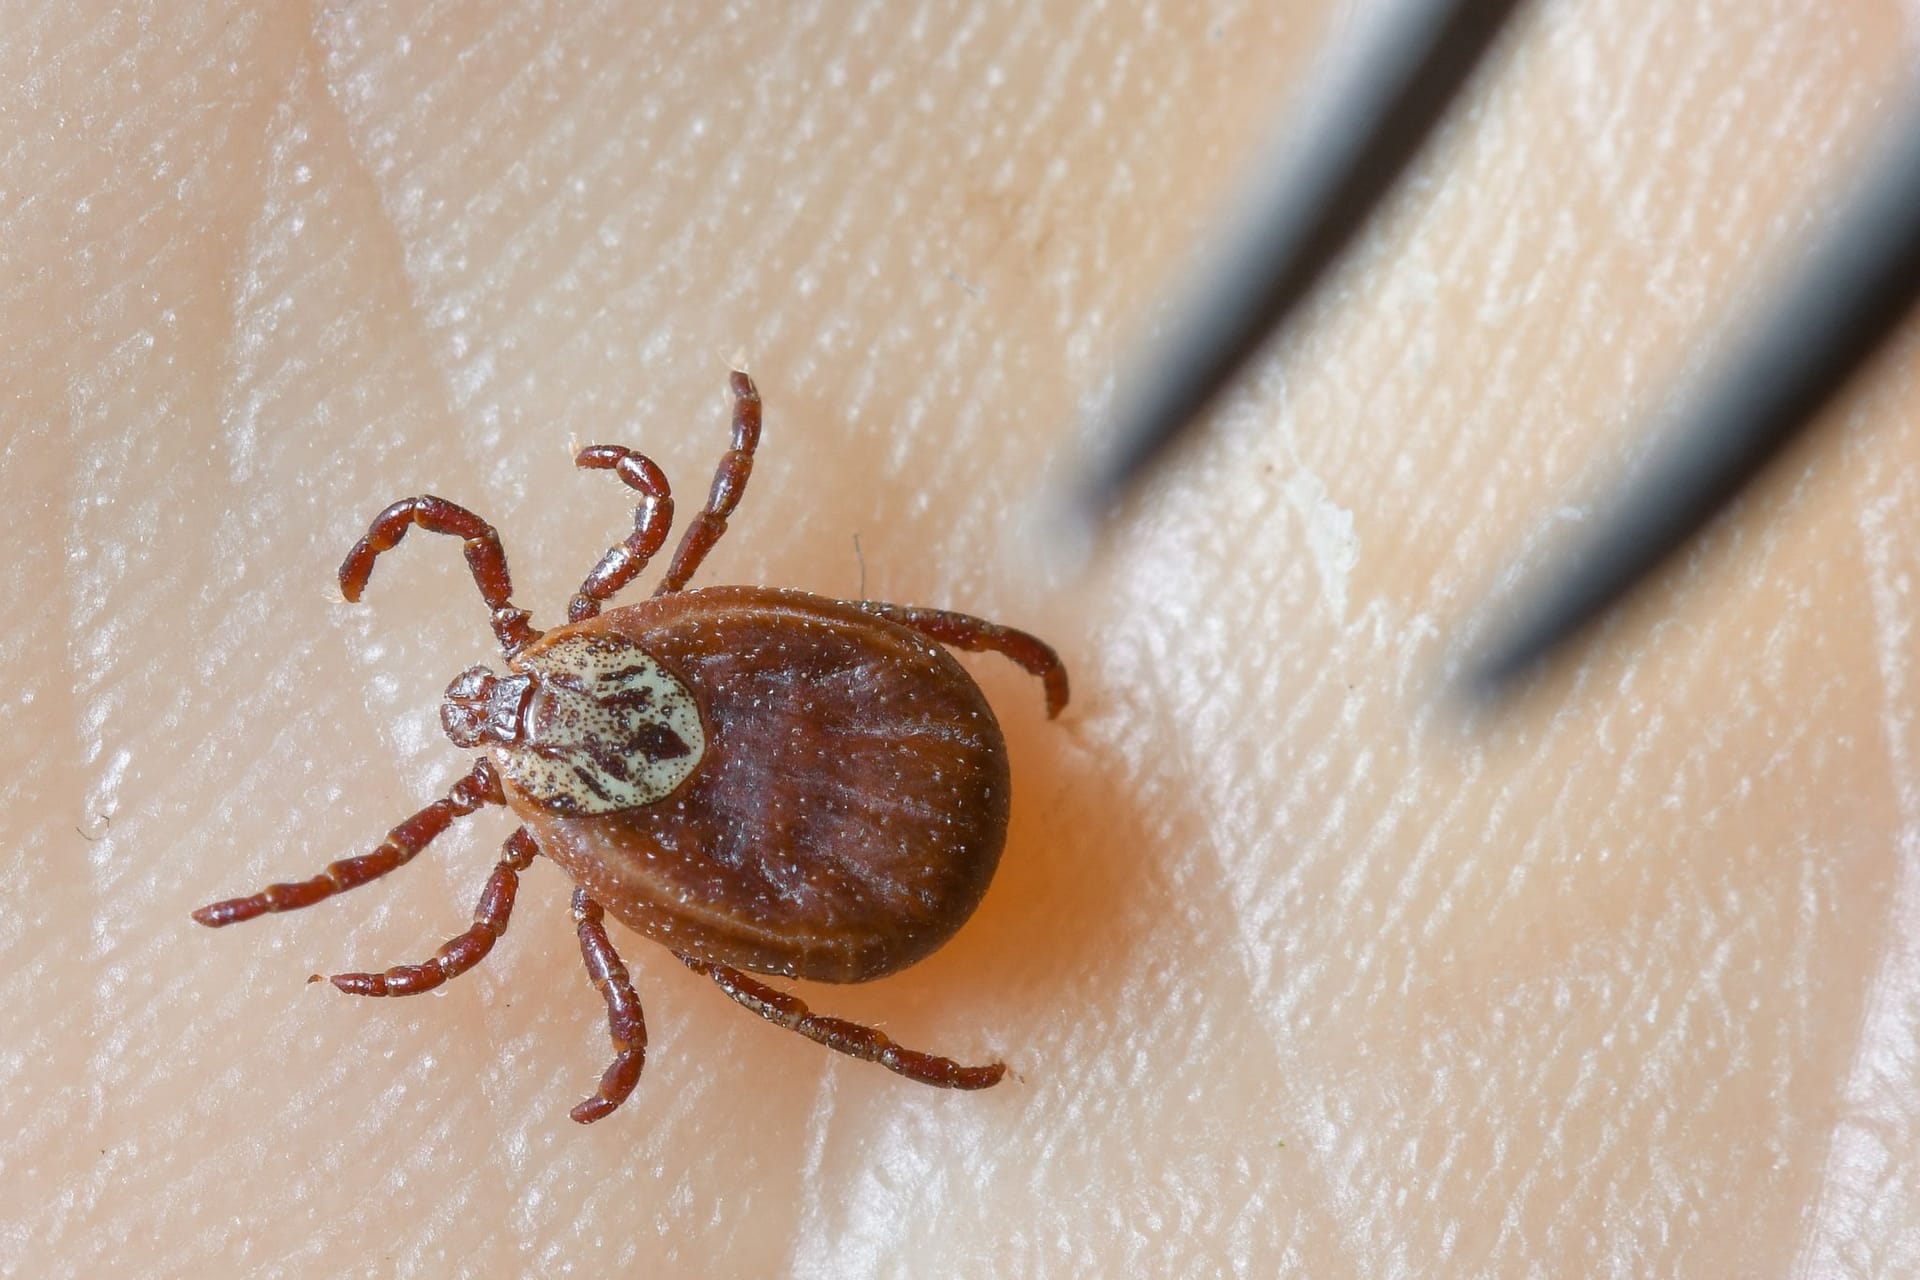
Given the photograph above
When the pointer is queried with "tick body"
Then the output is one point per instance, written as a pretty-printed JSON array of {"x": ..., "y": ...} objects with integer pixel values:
[
  {"x": 764, "y": 781},
  {"x": 840, "y": 816}
]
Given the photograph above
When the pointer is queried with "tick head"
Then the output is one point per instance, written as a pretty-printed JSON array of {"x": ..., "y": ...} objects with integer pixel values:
[{"x": 482, "y": 708}]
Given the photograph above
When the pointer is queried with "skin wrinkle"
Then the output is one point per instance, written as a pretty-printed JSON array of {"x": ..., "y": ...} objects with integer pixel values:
[
  {"x": 1855, "y": 1189},
  {"x": 1616, "y": 988}
]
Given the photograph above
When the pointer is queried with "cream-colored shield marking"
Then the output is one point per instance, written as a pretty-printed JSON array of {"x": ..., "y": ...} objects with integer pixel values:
[{"x": 608, "y": 728}]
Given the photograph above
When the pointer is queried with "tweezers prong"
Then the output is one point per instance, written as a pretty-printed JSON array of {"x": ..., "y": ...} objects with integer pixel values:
[
  {"x": 1829, "y": 317},
  {"x": 1374, "y": 115}
]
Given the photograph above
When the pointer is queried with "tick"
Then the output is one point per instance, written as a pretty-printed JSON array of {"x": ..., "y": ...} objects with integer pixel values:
[{"x": 761, "y": 780}]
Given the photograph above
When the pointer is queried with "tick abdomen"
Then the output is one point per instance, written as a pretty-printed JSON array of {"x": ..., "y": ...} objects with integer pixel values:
[{"x": 848, "y": 807}]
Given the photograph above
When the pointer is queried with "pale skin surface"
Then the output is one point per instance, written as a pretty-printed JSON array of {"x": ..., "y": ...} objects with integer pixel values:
[{"x": 1293, "y": 975}]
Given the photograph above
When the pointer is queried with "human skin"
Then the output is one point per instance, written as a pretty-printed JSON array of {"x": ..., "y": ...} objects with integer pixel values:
[{"x": 1296, "y": 971}]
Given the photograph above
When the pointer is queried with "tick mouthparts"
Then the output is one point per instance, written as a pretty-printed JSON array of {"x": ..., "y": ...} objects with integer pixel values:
[{"x": 481, "y": 707}]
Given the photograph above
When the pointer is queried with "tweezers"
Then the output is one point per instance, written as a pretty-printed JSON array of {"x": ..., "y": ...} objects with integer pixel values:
[{"x": 1828, "y": 317}]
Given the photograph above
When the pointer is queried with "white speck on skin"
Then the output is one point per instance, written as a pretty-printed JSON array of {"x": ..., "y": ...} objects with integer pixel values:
[{"x": 1331, "y": 539}]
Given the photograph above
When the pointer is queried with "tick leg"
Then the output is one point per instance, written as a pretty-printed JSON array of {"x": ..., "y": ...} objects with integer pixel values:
[
  {"x": 624, "y": 561},
  {"x": 729, "y": 482},
  {"x": 480, "y": 787},
  {"x": 626, "y": 1024},
  {"x": 850, "y": 1038},
  {"x": 462, "y": 953},
  {"x": 486, "y": 559},
  {"x": 963, "y": 631}
]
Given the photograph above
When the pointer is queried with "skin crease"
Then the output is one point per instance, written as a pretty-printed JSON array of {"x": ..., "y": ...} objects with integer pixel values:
[{"x": 1295, "y": 974}]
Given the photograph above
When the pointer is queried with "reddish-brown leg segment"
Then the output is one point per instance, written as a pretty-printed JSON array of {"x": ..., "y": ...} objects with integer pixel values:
[
  {"x": 480, "y": 787},
  {"x": 729, "y": 482},
  {"x": 463, "y": 952},
  {"x": 624, "y": 561},
  {"x": 486, "y": 559},
  {"x": 850, "y": 1038},
  {"x": 626, "y": 1024},
  {"x": 963, "y": 631}
]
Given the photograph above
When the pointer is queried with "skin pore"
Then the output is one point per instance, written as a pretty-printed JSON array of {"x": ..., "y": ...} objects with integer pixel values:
[{"x": 1294, "y": 971}]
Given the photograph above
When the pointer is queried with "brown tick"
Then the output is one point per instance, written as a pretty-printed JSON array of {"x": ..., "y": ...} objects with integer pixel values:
[{"x": 758, "y": 779}]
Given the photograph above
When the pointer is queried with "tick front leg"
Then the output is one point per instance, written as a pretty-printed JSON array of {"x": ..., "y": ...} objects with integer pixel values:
[
  {"x": 462, "y": 953},
  {"x": 480, "y": 787},
  {"x": 626, "y": 1023},
  {"x": 850, "y": 1038},
  {"x": 729, "y": 482},
  {"x": 964, "y": 631},
  {"x": 486, "y": 560},
  {"x": 624, "y": 561}
]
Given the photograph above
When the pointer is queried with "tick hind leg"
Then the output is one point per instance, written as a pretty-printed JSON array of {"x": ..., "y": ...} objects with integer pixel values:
[
  {"x": 850, "y": 1038},
  {"x": 626, "y": 1023},
  {"x": 486, "y": 560},
  {"x": 729, "y": 482},
  {"x": 964, "y": 631},
  {"x": 463, "y": 952},
  {"x": 479, "y": 787}
]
